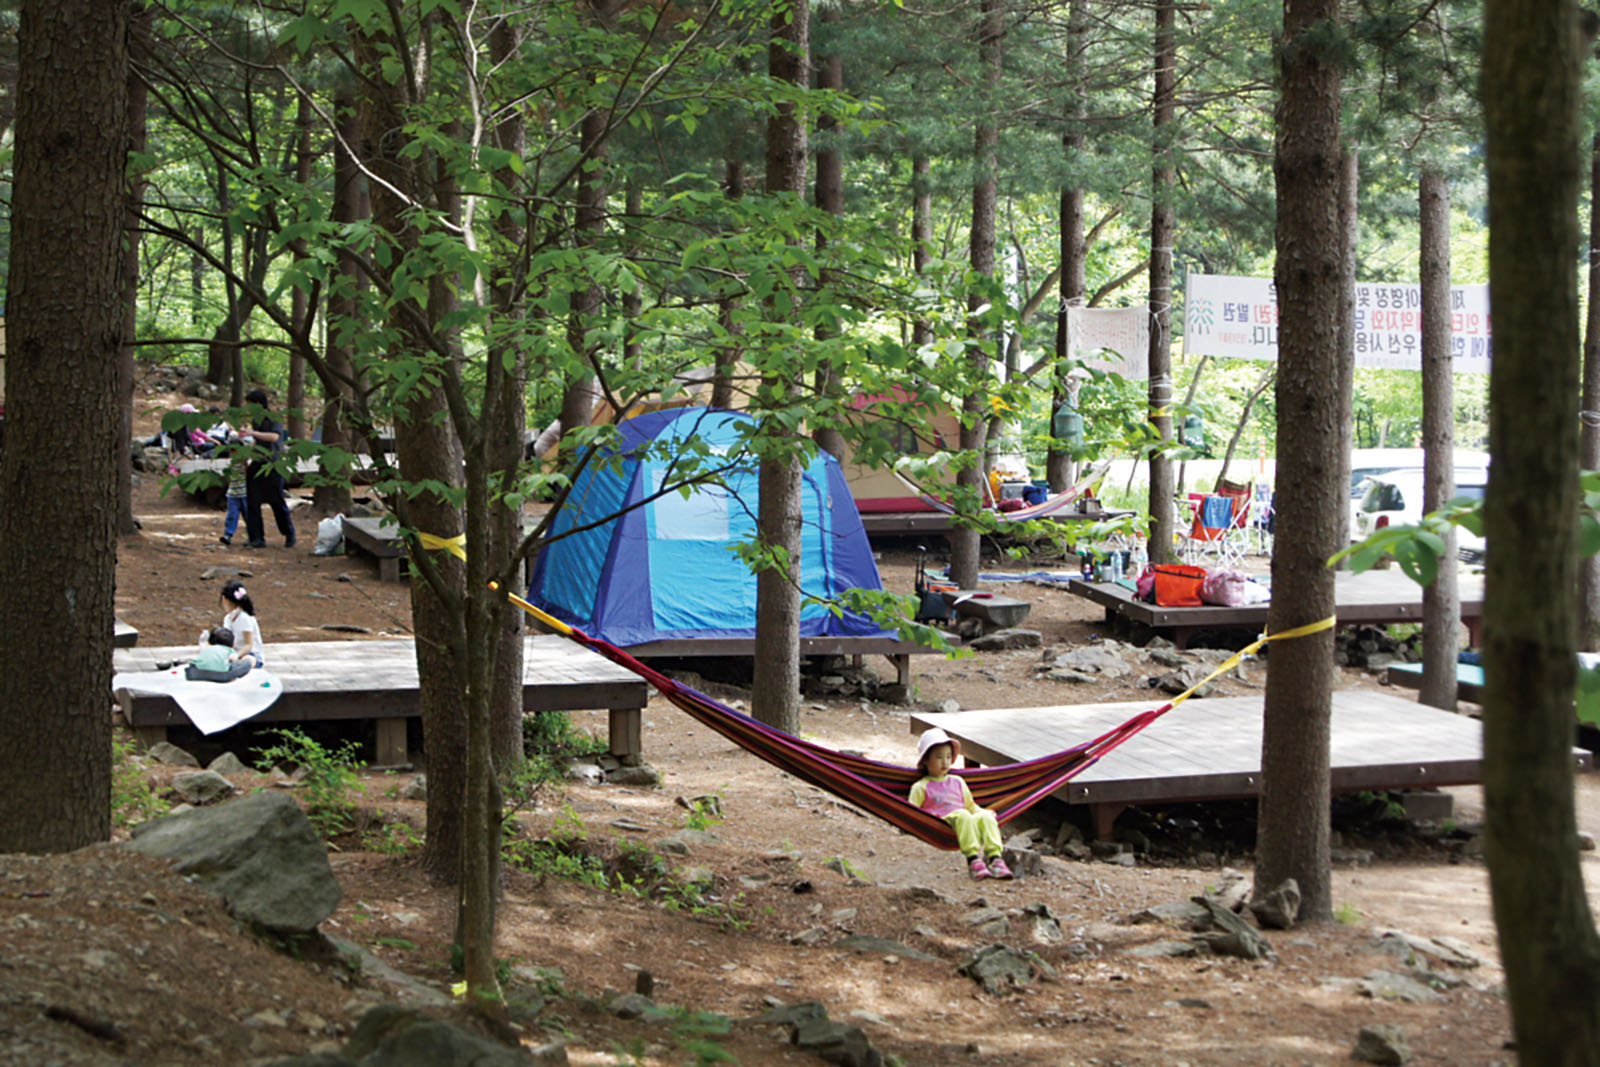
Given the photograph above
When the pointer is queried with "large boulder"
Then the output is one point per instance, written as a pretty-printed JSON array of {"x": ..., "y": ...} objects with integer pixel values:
[{"x": 259, "y": 853}]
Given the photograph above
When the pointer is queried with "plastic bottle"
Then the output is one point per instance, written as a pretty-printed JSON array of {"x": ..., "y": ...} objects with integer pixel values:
[{"x": 1141, "y": 555}]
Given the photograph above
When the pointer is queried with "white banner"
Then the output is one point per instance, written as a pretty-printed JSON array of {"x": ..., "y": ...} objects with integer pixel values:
[
  {"x": 1111, "y": 339},
  {"x": 1226, "y": 315}
]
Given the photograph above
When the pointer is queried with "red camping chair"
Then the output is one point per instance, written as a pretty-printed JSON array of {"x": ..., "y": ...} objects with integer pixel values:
[{"x": 1209, "y": 540}]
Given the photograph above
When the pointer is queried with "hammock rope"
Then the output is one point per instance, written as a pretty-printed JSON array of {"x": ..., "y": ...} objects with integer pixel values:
[
  {"x": 880, "y": 788},
  {"x": 1043, "y": 509}
]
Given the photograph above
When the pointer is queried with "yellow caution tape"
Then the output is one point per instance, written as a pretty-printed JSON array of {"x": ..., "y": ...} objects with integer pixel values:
[
  {"x": 1238, "y": 657},
  {"x": 456, "y": 546},
  {"x": 549, "y": 620}
]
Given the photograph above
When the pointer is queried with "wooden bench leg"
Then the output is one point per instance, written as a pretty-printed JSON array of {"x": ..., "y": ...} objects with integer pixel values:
[
  {"x": 1105, "y": 818},
  {"x": 391, "y": 743},
  {"x": 902, "y": 669},
  {"x": 388, "y": 568},
  {"x": 626, "y": 741},
  {"x": 150, "y": 736}
]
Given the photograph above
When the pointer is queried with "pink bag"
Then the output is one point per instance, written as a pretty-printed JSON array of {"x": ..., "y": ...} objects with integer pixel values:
[
  {"x": 1145, "y": 584},
  {"x": 1228, "y": 589}
]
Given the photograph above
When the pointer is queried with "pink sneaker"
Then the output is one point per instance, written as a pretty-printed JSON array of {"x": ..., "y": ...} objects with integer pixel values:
[
  {"x": 977, "y": 868},
  {"x": 998, "y": 868}
]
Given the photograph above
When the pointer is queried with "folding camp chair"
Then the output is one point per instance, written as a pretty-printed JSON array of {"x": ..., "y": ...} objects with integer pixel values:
[
  {"x": 1243, "y": 532},
  {"x": 1208, "y": 542}
]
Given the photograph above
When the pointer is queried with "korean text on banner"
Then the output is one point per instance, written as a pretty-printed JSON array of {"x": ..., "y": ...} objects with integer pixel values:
[
  {"x": 1227, "y": 315},
  {"x": 1111, "y": 339}
]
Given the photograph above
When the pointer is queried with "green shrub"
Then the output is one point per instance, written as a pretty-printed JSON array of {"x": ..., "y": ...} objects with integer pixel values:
[
  {"x": 133, "y": 799},
  {"x": 330, "y": 778}
]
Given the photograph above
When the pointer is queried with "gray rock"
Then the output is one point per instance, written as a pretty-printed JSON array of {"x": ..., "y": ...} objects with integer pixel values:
[
  {"x": 1279, "y": 909},
  {"x": 1100, "y": 662},
  {"x": 259, "y": 853},
  {"x": 403, "y": 986},
  {"x": 228, "y": 763},
  {"x": 1166, "y": 657},
  {"x": 392, "y": 1036},
  {"x": 1386, "y": 985},
  {"x": 643, "y": 774},
  {"x": 1185, "y": 913},
  {"x": 1446, "y": 950},
  {"x": 631, "y": 1006},
  {"x": 923, "y": 894},
  {"x": 1354, "y": 857},
  {"x": 836, "y": 1042},
  {"x": 1381, "y": 1043},
  {"x": 202, "y": 787},
  {"x": 1231, "y": 889},
  {"x": 882, "y": 946},
  {"x": 1181, "y": 681},
  {"x": 949, "y": 706},
  {"x": 170, "y": 754},
  {"x": 708, "y": 804},
  {"x": 416, "y": 789},
  {"x": 999, "y": 968},
  {"x": 1232, "y": 936},
  {"x": 1006, "y": 640},
  {"x": 672, "y": 845},
  {"x": 989, "y": 922},
  {"x": 1164, "y": 950},
  {"x": 632, "y": 826},
  {"x": 584, "y": 771},
  {"x": 810, "y": 936},
  {"x": 806, "y": 1011}
]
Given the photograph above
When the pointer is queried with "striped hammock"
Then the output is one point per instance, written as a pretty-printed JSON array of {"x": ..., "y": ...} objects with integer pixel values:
[{"x": 881, "y": 788}]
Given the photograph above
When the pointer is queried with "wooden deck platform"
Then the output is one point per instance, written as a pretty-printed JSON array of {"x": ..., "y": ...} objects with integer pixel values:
[
  {"x": 332, "y": 680},
  {"x": 1211, "y": 749},
  {"x": 1375, "y": 597},
  {"x": 123, "y": 635}
]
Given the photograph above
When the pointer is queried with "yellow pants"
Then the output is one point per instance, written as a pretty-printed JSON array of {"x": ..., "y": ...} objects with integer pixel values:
[{"x": 976, "y": 831}]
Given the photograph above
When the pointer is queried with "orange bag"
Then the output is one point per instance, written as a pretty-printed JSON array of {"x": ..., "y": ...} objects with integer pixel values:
[{"x": 1178, "y": 585}]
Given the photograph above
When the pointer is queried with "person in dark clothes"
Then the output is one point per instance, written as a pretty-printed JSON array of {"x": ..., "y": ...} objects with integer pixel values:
[{"x": 264, "y": 485}]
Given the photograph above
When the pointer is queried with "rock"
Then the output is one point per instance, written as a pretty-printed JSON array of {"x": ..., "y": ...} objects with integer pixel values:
[
  {"x": 1405, "y": 946},
  {"x": 631, "y": 1006},
  {"x": 1165, "y": 950},
  {"x": 1185, "y": 913},
  {"x": 392, "y": 1036},
  {"x": 920, "y": 894},
  {"x": 1231, "y": 889},
  {"x": 809, "y": 936},
  {"x": 416, "y": 789},
  {"x": 1381, "y": 1043},
  {"x": 949, "y": 706},
  {"x": 170, "y": 754},
  {"x": 202, "y": 787},
  {"x": 989, "y": 922},
  {"x": 792, "y": 1014},
  {"x": 632, "y": 826},
  {"x": 835, "y": 1042},
  {"x": 1166, "y": 657},
  {"x": 643, "y": 774},
  {"x": 999, "y": 968},
  {"x": 1585, "y": 841},
  {"x": 228, "y": 763},
  {"x": 672, "y": 845},
  {"x": 1386, "y": 985},
  {"x": 1355, "y": 857},
  {"x": 1091, "y": 662},
  {"x": 1279, "y": 909},
  {"x": 1232, "y": 936},
  {"x": 1007, "y": 640},
  {"x": 881, "y": 946},
  {"x": 707, "y": 804},
  {"x": 579, "y": 770},
  {"x": 259, "y": 853}
]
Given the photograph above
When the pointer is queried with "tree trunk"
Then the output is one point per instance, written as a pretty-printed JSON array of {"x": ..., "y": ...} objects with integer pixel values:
[
  {"x": 138, "y": 113},
  {"x": 1349, "y": 238},
  {"x": 921, "y": 233},
  {"x": 64, "y": 339},
  {"x": 1268, "y": 377},
  {"x": 963, "y": 541},
  {"x": 1312, "y": 507},
  {"x": 339, "y": 390},
  {"x": 295, "y": 417},
  {"x": 578, "y": 402},
  {"x": 775, "y": 693},
  {"x": 1163, "y": 180},
  {"x": 830, "y": 198},
  {"x": 1441, "y": 601},
  {"x": 1589, "y": 568},
  {"x": 730, "y": 352},
  {"x": 504, "y": 423},
  {"x": 1548, "y": 943},
  {"x": 1073, "y": 282}
]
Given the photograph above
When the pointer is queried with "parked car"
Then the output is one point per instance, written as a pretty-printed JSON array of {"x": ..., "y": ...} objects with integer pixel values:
[
  {"x": 1395, "y": 499},
  {"x": 1368, "y": 463}
]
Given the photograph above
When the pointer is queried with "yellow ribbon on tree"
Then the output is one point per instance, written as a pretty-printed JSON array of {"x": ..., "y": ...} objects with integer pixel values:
[
  {"x": 456, "y": 546},
  {"x": 1238, "y": 657}
]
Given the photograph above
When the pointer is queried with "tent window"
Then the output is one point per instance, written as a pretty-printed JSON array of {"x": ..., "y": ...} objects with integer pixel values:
[{"x": 702, "y": 516}]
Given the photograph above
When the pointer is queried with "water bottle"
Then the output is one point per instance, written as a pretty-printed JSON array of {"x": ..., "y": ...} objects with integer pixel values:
[{"x": 1141, "y": 556}]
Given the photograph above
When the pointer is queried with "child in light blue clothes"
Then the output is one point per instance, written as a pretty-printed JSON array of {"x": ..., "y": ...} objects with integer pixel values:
[
  {"x": 214, "y": 662},
  {"x": 236, "y": 495},
  {"x": 947, "y": 796}
]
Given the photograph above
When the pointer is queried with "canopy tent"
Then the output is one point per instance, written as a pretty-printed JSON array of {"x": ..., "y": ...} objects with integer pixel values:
[{"x": 659, "y": 565}]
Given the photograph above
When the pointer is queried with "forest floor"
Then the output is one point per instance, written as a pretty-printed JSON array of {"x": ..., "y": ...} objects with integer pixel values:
[{"x": 100, "y": 943}]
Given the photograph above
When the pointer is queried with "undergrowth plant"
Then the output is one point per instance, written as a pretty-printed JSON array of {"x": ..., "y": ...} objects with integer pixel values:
[
  {"x": 549, "y": 740},
  {"x": 133, "y": 799},
  {"x": 329, "y": 782}
]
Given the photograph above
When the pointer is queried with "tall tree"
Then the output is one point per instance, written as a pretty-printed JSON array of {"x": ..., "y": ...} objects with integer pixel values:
[
  {"x": 1548, "y": 943},
  {"x": 1441, "y": 600},
  {"x": 138, "y": 115},
  {"x": 964, "y": 541},
  {"x": 1163, "y": 178},
  {"x": 1074, "y": 281},
  {"x": 1312, "y": 513},
  {"x": 64, "y": 335},
  {"x": 775, "y": 693},
  {"x": 1589, "y": 567}
]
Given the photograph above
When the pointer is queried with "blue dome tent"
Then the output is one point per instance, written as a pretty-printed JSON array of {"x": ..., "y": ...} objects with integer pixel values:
[{"x": 666, "y": 570}]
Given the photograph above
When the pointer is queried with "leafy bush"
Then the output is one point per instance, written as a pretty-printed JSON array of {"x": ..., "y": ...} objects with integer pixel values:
[
  {"x": 329, "y": 781},
  {"x": 133, "y": 799}
]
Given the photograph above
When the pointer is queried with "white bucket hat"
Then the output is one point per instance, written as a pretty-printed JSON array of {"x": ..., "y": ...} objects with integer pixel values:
[{"x": 936, "y": 736}]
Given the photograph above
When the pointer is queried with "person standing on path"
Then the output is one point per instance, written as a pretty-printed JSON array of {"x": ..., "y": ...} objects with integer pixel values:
[{"x": 263, "y": 484}]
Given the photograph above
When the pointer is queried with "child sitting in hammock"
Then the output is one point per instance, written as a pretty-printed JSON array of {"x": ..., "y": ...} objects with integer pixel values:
[{"x": 947, "y": 796}]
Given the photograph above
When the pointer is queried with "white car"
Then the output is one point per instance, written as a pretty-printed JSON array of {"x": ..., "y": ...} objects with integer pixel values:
[
  {"x": 1369, "y": 463},
  {"x": 1395, "y": 499}
]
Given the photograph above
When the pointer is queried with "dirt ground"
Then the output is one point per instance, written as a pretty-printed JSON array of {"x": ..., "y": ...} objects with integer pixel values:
[{"x": 108, "y": 959}]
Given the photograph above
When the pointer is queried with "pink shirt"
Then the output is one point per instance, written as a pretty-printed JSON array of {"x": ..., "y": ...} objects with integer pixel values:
[{"x": 942, "y": 796}]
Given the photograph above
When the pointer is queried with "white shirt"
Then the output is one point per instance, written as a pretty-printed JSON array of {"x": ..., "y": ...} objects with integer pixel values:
[{"x": 242, "y": 622}]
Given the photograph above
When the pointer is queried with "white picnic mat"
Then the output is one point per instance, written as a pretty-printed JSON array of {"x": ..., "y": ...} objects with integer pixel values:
[{"x": 211, "y": 706}]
